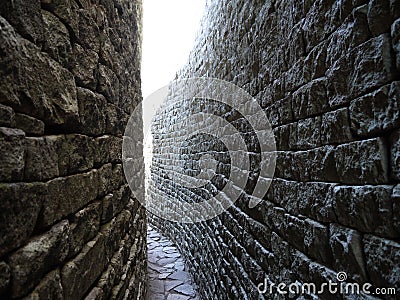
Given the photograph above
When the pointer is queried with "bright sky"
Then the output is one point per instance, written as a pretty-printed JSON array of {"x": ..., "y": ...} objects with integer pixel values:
[{"x": 169, "y": 30}]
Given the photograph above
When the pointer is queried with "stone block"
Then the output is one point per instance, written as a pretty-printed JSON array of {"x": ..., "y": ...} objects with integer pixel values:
[
  {"x": 25, "y": 17},
  {"x": 75, "y": 154},
  {"x": 88, "y": 30},
  {"x": 310, "y": 99},
  {"x": 316, "y": 241},
  {"x": 376, "y": 112},
  {"x": 48, "y": 289},
  {"x": 383, "y": 261},
  {"x": 113, "y": 203},
  {"x": 396, "y": 208},
  {"x": 381, "y": 14},
  {"x": 84, "y": 226},
  {"x": 39, "y": 256},
  {"x": 300, "y": 265},
  {"x": 283, "y": 165},
  {"x": 66, "y": 11},
  {"x": 79, "y": 274},
  {"x": 67, "y": 195},
  {"x": 116, "y": 120},
  {"x": 395, "y": 155},
  {"x": 102, "y": 150},
  {"x": 373, "y": 65},
  {"x": 108, "y": 54},
  {"x": 282, "y": 137},
  {"x": 308, "y": 132},
  {"x": 6, "y": 116},
  {"x": 121, "y": 257},
  {"x": 108, "y": 84},
  {"x": 41, "y": 160},
  {"x": 313, "y": 201},
  {"x": 91, "y": 112},
  {"x": 396, "y": 41},
  {"x": 335, "y": 127},
  {"x": 362, "y": 162},
  {"x": 95, "y": 294},
  {"x": 294, "y": 76},
  {"x": 365, "y": 208},
  {"x": 114, "y": 231},
  {"x": 313, "y": 165},
  {"x": 347, "y": 249},
  {"x": 4, "y": 277},
  {"x": 118, "y": 177},
  {"x": 294, "y": 232},
  {"x": 12, "y": 154},
  {"x": 314, "y": 63},
  {"x": 106, "y": 178},
  {"x": 50, "y": 97},
  {"x": 29, "y": 124},
  {"x": 106, "y": 281},
  {"x": 57, "y": 43},
  {"x": 366, "y": 67},
  {"x": 320, "y": 274},
  {"x": 84, "y": 66},
  {"x": 115, "y": 149},
  {"x": 20, "y": 204},
  {"x": 350, "y": 33}
]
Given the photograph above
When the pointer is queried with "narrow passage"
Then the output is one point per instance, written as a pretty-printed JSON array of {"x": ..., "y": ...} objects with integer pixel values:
[{"x": 168, "y": 276}]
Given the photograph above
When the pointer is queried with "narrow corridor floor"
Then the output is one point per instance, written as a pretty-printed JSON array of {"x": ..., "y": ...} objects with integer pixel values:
[{"x": 168, "y": 276}]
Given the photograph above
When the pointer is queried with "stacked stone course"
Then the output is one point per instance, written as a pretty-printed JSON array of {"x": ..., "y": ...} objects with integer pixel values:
[
  {"x": 326, "y": 73},
  {"x": 69, "y": 79}
]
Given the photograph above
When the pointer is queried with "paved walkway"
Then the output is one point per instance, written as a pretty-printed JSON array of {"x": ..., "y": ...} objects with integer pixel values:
[{"x": 168, "y": 277}]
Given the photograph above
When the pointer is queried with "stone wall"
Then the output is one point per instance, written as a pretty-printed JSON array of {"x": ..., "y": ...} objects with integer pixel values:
[
  {"x": 69, "y": 79},
  {"x": 327, "y": 75}
]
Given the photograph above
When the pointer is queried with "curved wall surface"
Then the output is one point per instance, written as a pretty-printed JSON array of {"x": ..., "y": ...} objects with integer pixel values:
[
  {"x": 69, "y": 79},
  {"x": 326, "y": 73}
]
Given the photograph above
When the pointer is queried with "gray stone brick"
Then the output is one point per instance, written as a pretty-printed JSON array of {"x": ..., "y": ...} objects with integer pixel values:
[
  {"x": 347, "y": 250},
  {"x": 381, "y": 14},
  {"x": 79, "y": 274},
  {"x": 84, "y": 226},
  {"x": 58, "y": 41},
  {"x": 362, "y": 162},
  {"x": 395, "y": 154},
  {"x": 4, "y": 277},
  {"x": 396, "y": 41},
  {"x": 66, "y": 195},
  {"x": 29, "y": 124},
  {"x": 48, "y": 289},
  {"x": 366, "y": 208},
  {"x": 382, "y": 258},
  {"x": 56, "y": 105},
  {"x": 84, "y": 66},
  {"x": 366, "y": 67},
  {"x": 92, "y": 115},
  {"x": 75, "y": 154},
  {"x": 20, "y": 204},
  {"x": 335, "y": 127},
  {"x": 41, "y": 159},
  {"x": 12, "y": 152},
  {"x": 39, "y": 256},
  {"x": 376, "y": 112},
  {"x": 6, "y": 116}
]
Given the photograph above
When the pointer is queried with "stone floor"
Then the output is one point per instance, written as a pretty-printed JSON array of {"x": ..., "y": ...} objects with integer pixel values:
[{"x": 168, "y": 276}]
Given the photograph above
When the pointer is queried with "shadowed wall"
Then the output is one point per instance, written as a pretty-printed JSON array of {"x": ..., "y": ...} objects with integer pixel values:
[{"x": 70, "y": 78}]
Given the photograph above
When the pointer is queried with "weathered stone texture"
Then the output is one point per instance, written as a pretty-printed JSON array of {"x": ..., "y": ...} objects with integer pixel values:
[
  {"x": 326, "y": 75},
  {"x": 39, "y": 256},
  {"x": 69, "y": 79}
]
